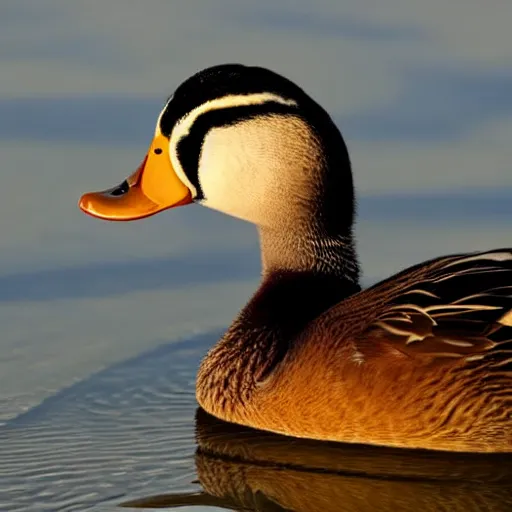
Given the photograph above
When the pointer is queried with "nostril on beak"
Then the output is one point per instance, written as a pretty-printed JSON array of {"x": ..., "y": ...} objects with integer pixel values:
[{"x": 120, "y": 189}]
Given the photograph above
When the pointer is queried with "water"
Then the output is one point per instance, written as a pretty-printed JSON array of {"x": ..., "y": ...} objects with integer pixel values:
[
  {"x": 118, "y": 433},
  {"x": 103, "y": 325}
]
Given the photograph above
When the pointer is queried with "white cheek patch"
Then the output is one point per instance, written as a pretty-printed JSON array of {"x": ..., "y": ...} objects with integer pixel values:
[
  {"x": 183, "y": 126},
  {"x": 247, "y": 170},
  {"x": 226, "y": 170}
]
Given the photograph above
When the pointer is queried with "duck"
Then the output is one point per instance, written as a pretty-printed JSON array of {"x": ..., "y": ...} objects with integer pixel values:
[{"x": 420, "y": 360}]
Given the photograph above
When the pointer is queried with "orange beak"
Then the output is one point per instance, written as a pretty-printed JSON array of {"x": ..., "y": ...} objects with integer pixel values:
[{"x": 152, "y": 188}]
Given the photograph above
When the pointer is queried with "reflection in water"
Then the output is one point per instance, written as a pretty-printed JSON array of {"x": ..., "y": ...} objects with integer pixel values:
[{"x": 244, "y": 469}]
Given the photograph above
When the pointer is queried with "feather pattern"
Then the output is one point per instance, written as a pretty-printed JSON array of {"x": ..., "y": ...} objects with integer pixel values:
[
  {"x": 455, "y": 307},
  {"x": 422, "y": 360}
]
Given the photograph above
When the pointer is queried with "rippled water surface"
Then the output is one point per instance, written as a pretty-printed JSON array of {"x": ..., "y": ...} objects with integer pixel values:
[
  {"x": 103, "y": 325},
  {"x": 121, "y": 432}
]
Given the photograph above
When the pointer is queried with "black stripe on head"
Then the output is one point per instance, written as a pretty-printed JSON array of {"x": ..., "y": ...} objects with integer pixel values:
[
  {"x": 189, "y": 147},
  {"x": 236, "y": 79},
  {"x": 224, "y": 80}
]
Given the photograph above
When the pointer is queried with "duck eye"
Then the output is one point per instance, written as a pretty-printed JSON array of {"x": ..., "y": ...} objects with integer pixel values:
[{"x": 158, "y": 151}]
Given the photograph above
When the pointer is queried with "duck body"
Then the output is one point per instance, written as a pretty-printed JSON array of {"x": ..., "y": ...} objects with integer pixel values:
[
  {"x": 410, "y": 362},
  {"x": 420, "y": 360}
]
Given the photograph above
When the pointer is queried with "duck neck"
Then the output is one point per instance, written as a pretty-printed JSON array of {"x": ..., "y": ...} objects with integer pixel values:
[
  {"x": 302, "y": 278},
  {"x": 311, "y": 251},
  {"x": 304, "y": 274}
]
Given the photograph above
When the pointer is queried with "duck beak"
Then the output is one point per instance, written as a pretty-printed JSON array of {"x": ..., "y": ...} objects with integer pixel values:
[{"x": 153, "y": 187}]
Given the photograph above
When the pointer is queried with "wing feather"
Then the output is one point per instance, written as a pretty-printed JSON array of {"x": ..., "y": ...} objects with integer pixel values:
[{"x": 450, "y": 308}]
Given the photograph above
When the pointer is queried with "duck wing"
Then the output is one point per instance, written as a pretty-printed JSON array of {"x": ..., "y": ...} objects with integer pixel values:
[{"x": 451, "y": 308}]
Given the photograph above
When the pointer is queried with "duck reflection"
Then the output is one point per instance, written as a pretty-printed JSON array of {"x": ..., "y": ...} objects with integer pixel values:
[{"x": 245, "y": 469}]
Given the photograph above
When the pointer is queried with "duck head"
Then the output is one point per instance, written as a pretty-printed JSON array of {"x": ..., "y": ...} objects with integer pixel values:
[{"x": 247, "y": 142}]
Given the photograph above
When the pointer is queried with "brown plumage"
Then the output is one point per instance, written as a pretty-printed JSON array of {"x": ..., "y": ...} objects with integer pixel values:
[{"x": 421, "y": 360}]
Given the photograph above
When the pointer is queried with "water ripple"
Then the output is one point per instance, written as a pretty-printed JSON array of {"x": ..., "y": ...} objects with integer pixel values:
[{"x": 126, "y": 430}]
